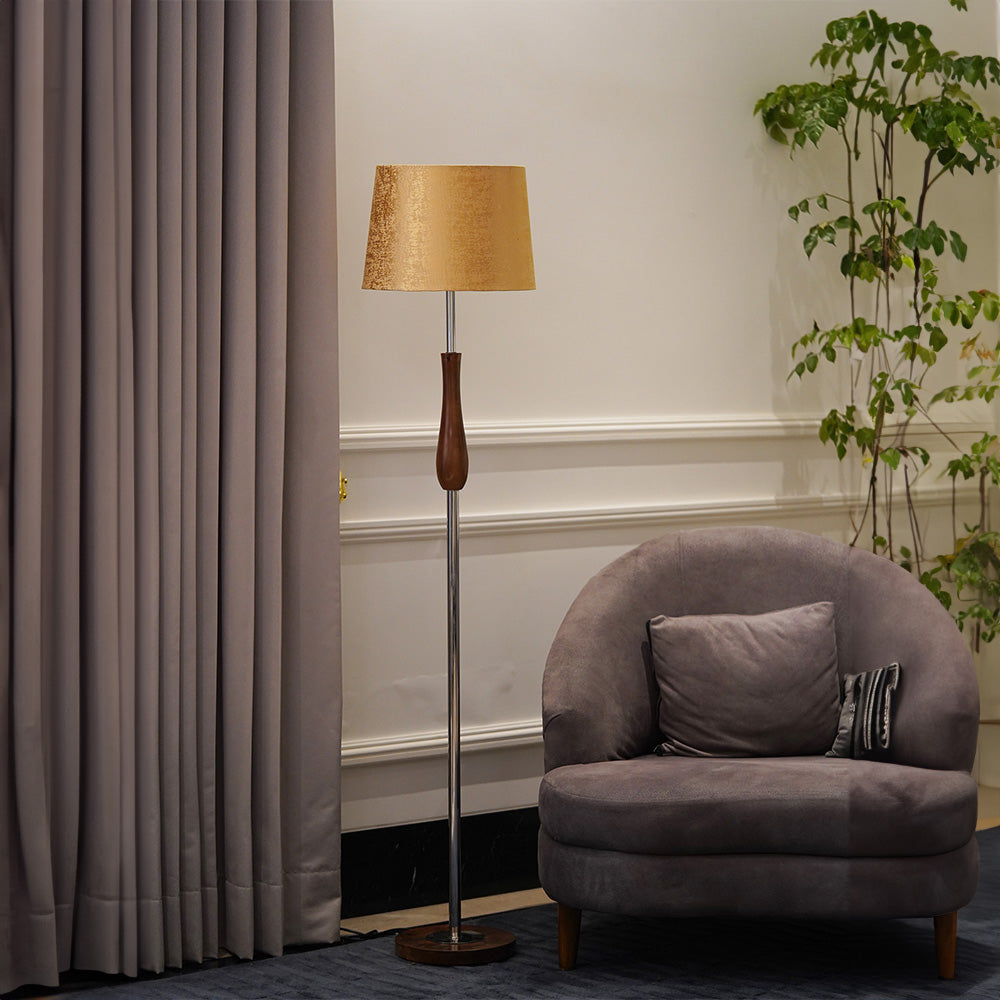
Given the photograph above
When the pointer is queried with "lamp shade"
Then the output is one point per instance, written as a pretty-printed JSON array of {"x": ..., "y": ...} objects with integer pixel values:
[{"x": 449, "y": 228}]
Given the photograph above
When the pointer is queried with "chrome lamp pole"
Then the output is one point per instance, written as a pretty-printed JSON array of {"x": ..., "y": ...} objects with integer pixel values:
[{"x": 452, "y": 474}]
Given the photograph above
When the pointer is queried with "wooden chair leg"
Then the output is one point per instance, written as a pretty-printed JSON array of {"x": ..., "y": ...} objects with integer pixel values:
[
  {"x": 569, "y": 936},
  {"x": 945, "y": 942}
]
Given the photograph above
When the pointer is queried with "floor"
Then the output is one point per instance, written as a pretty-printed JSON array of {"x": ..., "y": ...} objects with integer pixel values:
[
  {"x": 471, "y": 908},
  {"x": 989, "y": 816},
  {"x": 989, "y": 807}
]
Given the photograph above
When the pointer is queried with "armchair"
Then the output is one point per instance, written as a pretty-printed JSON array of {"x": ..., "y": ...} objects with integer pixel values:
[{"x": 801, "y": 835}]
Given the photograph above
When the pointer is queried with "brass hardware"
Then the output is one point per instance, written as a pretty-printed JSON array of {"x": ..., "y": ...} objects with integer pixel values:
[{"x": 343, "y": 487}]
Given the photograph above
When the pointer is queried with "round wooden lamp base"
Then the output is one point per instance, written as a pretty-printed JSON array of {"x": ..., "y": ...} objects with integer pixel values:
[{"x": 433, "y": 945}]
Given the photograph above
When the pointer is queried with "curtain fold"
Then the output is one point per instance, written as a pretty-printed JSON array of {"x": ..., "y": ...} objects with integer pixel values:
[{"x": 169, "y": 573}]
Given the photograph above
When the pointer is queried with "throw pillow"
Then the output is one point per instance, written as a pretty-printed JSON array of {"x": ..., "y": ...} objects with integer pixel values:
[
  {"x": 865, "y": 729},
  {"x": 747, "y": 685}
]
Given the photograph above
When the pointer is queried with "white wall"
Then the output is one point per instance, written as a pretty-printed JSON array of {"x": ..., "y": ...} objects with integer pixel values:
[{"x": 640, "y": 388}]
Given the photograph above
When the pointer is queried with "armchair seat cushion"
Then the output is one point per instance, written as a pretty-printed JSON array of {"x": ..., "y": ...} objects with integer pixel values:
[{"x": 831, "y": 807}]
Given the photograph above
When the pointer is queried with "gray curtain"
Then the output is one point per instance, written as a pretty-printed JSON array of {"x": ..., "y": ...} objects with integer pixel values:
[{"x": 169, "y": 562}]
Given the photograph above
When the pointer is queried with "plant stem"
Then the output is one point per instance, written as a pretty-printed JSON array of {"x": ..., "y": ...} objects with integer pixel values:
[
  {"x": 864, "y": 516},
  {"x": 859, "y": 101},
  {"x": 937, "y": 426},
  {"x": 982, "y": 499},
  {"x": 888, "y": 513},
  {"x": 852, "y": 236},
  {"x": 918, "y": 544},
  {"x": 924, "y": 188},
  {"x": 954, "y": 514}
]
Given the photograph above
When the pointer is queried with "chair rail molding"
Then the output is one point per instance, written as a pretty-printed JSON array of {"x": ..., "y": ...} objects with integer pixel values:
[
  {"x": 689, "y": 512},
  {"x": 404, "y": 437},
  {"x": 407, "y": 746}
]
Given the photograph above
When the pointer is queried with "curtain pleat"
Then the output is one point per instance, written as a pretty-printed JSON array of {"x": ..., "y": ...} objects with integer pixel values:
[
  {"x": 32, "y": 905},
  {"x": 154, "y": 673},
  {"x": 198, "y": 908},
  {"x": 61, "y": 495},
  {"x": 210, "y": 50},
  {"x": 272, "y": 318},
  {"x": 237, "y": 471},
  {"x": 311, "y": 695},
  {"x": 10, "y": 904},
  {"x": 106, "y": 901},
  {"x": 169, "y": 387},
  {"x": 169, "y": 586}
]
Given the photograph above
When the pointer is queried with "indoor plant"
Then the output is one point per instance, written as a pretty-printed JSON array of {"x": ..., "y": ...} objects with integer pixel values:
[{"x": 889, "y": 96}]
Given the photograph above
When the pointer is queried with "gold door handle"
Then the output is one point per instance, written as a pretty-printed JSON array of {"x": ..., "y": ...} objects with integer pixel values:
[{"x": 343, "y": 487}]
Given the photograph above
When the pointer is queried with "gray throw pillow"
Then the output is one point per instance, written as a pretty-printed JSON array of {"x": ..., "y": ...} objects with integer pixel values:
[
  {"x": 865, "y": 729},
  {"x": 747, "y": 685}
]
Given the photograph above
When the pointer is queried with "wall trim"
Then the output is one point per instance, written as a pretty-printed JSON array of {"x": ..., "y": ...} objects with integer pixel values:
[
  {"x": 688, "y": 512},
  {"x": 406, "y": 437},
  {"x": 390, "y": 749}
]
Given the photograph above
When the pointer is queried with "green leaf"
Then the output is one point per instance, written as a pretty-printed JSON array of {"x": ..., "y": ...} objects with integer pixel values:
[
  {"x": 938, "y": 338},
  {"x": 809, "y": 243},
  {"x": 958, "y": 247},
  {"x": 777, "y": 134},
  {"x": 821, "y": 201}
]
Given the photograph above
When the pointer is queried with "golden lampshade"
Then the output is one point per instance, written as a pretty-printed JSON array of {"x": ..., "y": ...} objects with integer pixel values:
[{"x": 449, "y": 228}]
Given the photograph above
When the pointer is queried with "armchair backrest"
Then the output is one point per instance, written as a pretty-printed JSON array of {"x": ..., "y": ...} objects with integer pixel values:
[{"x": 599, "y": 697}]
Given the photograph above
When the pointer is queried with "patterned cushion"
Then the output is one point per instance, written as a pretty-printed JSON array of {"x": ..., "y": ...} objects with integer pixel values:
[{"x": 865, "y": 729}]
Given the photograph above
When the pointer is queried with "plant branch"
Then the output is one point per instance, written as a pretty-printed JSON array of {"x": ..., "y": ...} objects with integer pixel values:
[
  {"x": 924, "y": 188},
  {"x": 937, "y": 176},
  {"x": 852, "y": 238},
  {"x": 918, "y": 543},
  {"x": 923, "y": 409},
  {"x": 860, "y": 99},
  {"x": 864, "y": 515},
  {"x": 983, "y": 503}
]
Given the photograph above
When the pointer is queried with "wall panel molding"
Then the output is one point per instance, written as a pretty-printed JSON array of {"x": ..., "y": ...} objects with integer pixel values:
[
  {"x": 408, "y": 746},
  {"x": 740, "y": 510},
  {"x": 406, "y": 437}
]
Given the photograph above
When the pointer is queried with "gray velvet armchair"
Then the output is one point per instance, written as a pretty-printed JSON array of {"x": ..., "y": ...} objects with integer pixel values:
[{"x": 797, "y": 835}]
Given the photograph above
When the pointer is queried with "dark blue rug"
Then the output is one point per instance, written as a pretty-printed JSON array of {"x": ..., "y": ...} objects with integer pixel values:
[{"x": 628, "y": 958}]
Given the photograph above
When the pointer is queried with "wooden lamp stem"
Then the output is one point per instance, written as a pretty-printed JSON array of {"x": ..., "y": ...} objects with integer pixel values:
[{"x": 452, "y": 453}]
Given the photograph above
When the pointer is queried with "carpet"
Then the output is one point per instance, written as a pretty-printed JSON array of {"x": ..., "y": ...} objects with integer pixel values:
[{"x": 630, "y": 958}]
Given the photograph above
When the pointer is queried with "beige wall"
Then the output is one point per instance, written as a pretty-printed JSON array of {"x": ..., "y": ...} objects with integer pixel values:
[{"x": 640, "y": 388}]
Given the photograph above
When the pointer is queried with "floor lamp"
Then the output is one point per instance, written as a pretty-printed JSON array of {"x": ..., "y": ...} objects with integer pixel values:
[{"x": 451, "y": 228}]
